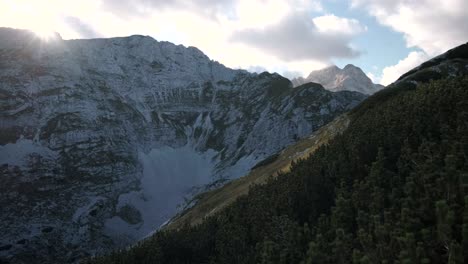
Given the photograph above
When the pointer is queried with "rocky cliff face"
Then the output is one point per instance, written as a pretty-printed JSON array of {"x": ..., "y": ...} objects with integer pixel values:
[
  {"x": 101, "y": 139},
  {"x": 350, "y": 78}
]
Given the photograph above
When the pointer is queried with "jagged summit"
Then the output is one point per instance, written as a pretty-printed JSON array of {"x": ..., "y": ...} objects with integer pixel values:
[
  {"x": 350, "y": 78},
  {"x": 350, "y": 66}
]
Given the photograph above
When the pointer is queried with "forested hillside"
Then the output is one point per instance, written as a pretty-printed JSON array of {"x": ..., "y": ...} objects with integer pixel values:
[{"x": 393, "y": 188}]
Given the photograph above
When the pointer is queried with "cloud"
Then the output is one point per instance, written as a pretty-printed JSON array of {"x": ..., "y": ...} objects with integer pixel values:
[
  {"x": 292, "y": 74},
  {"x": 332, "y": 24},
  {"x": 431, "y": 25},
  {"x": 257, "y": 69},
  {"x": 373, "y": 78},
  {"x": 81, "y": 28},
  {"x": 206, "y": 8},
  {"x": 281, "y": 70},
  {"x": 392, "y": 73},
  {"x": 137, "y": 8},
  {"x": 296, "y": 37}
]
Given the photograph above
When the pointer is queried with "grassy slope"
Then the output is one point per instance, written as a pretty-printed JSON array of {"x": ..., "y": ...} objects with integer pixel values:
[{"x": 212, "y": 201}]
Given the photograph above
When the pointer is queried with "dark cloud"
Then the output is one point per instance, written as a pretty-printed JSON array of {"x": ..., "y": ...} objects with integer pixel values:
[
  {"x": 296, "y": 37},
  {"x": 80, "y": 27},
  {"x": 208, "y": 8}
]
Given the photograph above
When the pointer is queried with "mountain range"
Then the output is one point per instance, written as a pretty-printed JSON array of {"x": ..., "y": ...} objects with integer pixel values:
[
  {"x": 102, "y": 139},
  {"x": 107, "y": 142},
  {"x": 384, "y": 183}
]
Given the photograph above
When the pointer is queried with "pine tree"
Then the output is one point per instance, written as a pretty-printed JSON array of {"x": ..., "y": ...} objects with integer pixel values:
[
  {"x": 465, "y": 230},
  {"x": 445, "y": 219}
]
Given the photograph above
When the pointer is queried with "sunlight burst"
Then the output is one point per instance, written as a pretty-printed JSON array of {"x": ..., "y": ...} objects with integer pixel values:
[{"x": 45, "y": 34}]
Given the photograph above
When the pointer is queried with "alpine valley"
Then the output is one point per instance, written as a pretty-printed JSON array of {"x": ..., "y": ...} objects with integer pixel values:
[
  {"x": 386, "y": 182},
  {"x": 132, "y": 150},
  {"x": 101, "y": 140}
]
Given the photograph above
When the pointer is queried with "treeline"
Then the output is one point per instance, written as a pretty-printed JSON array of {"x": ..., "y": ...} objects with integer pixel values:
[{"x": 393, "y": 188}]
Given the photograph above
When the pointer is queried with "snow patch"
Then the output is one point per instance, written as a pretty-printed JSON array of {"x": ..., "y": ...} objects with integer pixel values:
[
  {"x": 169, "y": 175},
  {"x": 17, "y": 154}
]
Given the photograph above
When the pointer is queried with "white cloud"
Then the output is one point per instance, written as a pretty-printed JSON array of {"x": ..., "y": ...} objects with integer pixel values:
[
  {"x": 296, "y": 37},
  {"x": 338, "y": 25},
  {"x": 373, "y": 78},
  {"x": 83, "y": 29},
  {"x": 431, "y": 25},
  {"x": 392, "y": 73}
]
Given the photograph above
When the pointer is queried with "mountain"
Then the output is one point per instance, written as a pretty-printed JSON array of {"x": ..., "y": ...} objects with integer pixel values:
[
  {"x": 102, "y": 139},
  {"x": 210, "y": 202},
  {"x": 389, "y": 186},
  {"x": 350, "y": 78}
]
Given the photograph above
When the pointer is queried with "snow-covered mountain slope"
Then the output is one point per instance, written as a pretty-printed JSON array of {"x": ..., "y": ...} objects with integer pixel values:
[
  {"x": 101, "y": 139},
  {"x": 350, "y": 78}
]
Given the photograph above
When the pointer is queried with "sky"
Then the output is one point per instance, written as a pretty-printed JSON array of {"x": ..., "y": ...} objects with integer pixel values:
[{"x": 386, "y": 38}]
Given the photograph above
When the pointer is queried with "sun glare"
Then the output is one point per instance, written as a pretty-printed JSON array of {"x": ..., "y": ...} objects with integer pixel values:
[
  {"x": 45, "y": 34},
  {"x": 40, "y": 18}
]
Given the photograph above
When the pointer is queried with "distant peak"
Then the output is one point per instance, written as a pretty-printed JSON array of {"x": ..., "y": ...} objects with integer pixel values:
[
  {"x": 353, "y": 69},
  {"x": 350, "y": 78},
  {"x": 350, "y": 66}
]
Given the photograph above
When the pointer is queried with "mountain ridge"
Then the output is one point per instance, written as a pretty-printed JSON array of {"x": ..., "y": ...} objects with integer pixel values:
[
  {"x": 305, "y": 147},
  {"x": 102, "y": 139},
  {"x": 390, "y": 187}
]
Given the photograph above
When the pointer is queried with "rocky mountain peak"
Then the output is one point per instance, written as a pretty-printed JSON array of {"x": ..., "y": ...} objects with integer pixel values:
[
  {"x": 333, "y": 78},
  {"x": 350, "y": 66}
]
